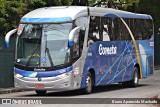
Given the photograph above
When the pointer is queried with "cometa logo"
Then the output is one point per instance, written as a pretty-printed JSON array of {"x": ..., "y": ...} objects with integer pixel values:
[
  {"x": 41, "y": 69},
  {"x": 107, "y": 50}
]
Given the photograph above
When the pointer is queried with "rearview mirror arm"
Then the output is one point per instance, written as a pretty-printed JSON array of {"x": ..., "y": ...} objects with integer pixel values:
[{"x": 8, "y": 35}]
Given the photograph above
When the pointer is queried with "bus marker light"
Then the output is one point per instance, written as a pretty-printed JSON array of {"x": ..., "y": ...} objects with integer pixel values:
[{"x": 82, "y": 76}]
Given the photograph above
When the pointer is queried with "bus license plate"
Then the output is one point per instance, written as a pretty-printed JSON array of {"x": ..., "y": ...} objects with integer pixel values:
[{"x": 39, "y": 85}]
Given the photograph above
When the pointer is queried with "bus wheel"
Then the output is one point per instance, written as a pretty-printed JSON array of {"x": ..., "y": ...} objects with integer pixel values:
[
  {"x": 41, "y": 92},
  {"x": 135, "y": 80},
  {"x": 89, "y": 84}
]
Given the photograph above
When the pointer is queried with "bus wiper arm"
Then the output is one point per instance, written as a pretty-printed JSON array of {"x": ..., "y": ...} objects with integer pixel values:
[{"x": 49, "y": 56}]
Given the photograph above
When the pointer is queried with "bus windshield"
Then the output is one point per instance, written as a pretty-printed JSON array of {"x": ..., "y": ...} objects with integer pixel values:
[
  {"x": 56, "y": 49},
  {"x": 43, "y": 45}
]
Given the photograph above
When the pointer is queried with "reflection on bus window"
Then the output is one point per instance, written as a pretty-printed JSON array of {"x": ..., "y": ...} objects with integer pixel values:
[
  {"x": 94, "y": 30},
  {"x": 105, "y": 30}
]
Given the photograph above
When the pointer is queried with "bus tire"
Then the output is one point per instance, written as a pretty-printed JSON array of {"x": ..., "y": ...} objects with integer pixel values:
[
  {"x": 89, "y": 84},
  {"x": 41, "y": 92},
  {"x": 135, "y": 80}
]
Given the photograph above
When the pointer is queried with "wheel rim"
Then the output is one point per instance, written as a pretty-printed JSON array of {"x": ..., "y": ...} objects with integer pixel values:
[
  {"x": 89, "y": 83},
  {"x": 136, "y": 78}
]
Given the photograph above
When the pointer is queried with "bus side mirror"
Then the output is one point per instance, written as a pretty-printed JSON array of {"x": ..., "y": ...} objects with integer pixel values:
[
  {"x": 74, "y": 33},
  {"x": 8, "y": 35}
]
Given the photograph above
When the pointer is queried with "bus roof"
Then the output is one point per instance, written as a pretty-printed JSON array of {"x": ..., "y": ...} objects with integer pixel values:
[{"x": 69, "y": 13}]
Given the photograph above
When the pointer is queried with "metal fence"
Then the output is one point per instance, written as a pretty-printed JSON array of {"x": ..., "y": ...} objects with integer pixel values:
[
  {"x": 6, "y": 63},
  {"x": 157, "y": 50}
]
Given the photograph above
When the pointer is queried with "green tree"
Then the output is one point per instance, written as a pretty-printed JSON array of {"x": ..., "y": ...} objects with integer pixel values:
[
  {"x": 34, "y": 4},
  {"x": 3, "y": 25},
  {"x": 91, "y": 2},
  {"x": 129, "y": 5},
  {"x": 152, "y": 8},
  {"x": 66, "y": 2},
  {"x": 12, "y": 10},
  {"x": 10, "y": 13}
]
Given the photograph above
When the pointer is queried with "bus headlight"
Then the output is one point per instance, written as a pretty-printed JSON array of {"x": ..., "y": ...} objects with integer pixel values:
[
  {"x": 18, "y": 76},
  {"x": 76, "y": 71}
]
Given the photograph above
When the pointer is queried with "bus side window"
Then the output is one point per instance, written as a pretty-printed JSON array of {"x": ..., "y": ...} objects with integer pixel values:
[
  {"x": 79, "y": 39},
  {"x": 147, "y": 29},
  {"x": 81, "y": 21},
  {"x": 105, "y": 32},
  {"x": 115, "y": 29},
  {"x": 76, "y": 48},
  {"x": 132, "y": 27},
  {"x": 82, "y": 36},
  {"x": 110, "y": 28},
  {"x": 78, "y": 45},
  {"x": 138, "y": 29},
  {"x": 143, "y": 29},
  {"x": 94, "y": 30},
  {"x": 125, "y": 33},
  {"x": 150, "y": 29}
]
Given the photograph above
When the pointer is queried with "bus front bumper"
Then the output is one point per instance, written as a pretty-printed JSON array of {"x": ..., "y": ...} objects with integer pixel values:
[{"x": 60, "y": 82}]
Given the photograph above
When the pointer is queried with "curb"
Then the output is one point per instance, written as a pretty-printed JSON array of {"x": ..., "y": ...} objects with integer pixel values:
[
  {"x": 157, "y": 68},
  {"x": 9, "y": 90}
]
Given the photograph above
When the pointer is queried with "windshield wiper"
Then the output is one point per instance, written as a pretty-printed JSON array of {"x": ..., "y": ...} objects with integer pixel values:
[
  {"x": 48, "y": 53},
  {"x": 49, "y": 56}
]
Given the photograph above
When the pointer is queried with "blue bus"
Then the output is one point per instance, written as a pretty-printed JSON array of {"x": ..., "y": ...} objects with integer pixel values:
[{"x": 78, "y": 47}]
